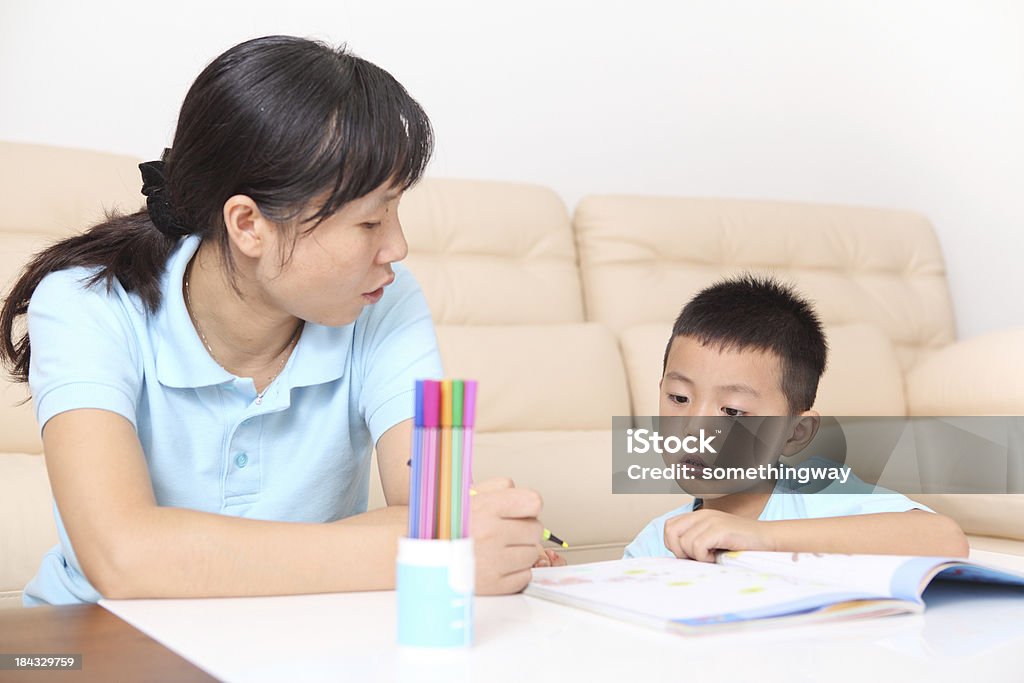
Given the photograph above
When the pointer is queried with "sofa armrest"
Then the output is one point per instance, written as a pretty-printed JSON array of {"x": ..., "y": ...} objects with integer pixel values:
[{"x": 979, "y": 376}]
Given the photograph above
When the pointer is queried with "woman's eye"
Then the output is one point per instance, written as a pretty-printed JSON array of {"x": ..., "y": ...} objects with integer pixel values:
[
  {"x": 680, "y": 400},
  {"x": 732, "y": 412},
  {"x": 370, "y": 225}
]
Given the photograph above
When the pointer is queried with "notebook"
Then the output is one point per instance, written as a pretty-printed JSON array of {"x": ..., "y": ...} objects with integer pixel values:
[{"x": 745, "y": 589}]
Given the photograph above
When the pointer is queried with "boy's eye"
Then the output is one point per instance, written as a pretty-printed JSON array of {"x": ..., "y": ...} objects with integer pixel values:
[
  {"x": 733, "y": 412},
  {"x": 677, "y": 399}
]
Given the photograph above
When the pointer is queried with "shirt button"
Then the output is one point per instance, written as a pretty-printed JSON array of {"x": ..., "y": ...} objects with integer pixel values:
[{"x": 241, "y": 459}]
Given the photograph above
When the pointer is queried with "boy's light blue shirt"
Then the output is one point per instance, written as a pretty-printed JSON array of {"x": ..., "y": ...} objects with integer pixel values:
[
  {"x": 859, "y": 498},
  {"x": 302, "y": 454}
]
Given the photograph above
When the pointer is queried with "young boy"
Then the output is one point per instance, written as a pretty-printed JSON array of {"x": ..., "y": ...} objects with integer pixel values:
[{"x": 751, "y": 346}]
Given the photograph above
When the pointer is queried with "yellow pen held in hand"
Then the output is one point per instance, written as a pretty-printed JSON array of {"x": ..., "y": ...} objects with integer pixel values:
[{"x": 548, "y": 536}]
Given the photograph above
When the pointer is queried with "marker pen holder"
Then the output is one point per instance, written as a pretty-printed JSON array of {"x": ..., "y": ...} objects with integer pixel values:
[{"x": 435, "y": 581}]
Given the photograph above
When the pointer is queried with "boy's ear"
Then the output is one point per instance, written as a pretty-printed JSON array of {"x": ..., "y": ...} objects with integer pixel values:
[{"x": 804, "y": 430}]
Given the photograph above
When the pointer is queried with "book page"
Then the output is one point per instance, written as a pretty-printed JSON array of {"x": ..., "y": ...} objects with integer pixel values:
[
  {"x": 867, "y": 573},
  {"x": 687, "y": 591}
]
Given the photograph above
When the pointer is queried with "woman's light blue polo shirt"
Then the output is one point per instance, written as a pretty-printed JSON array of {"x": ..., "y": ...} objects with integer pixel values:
[{"x": 300, "y": 454}]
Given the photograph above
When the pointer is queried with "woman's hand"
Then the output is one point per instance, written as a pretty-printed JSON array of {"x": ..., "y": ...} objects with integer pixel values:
[
  {"x": 505, "y": 532},
  {"x": 549, "y": 558}
]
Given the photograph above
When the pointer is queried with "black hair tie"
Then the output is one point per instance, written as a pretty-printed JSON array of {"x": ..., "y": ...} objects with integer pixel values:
[{"x": 154, "y": 186}]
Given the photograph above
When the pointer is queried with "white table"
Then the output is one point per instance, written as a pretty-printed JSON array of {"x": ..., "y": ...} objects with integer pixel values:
[{"x": 518, "y": 638}]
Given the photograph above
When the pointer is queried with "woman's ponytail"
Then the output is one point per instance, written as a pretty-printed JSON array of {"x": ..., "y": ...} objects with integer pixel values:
[{"x": 126, "y": 247}]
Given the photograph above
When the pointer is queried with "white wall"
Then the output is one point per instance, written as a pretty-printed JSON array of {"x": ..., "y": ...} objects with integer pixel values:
[{"x": 912, "y": 104}]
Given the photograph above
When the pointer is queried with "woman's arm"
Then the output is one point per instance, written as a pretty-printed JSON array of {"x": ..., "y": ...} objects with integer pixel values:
[
  {"x": 394, "y": 449},
  {"x": 129, "y": 547}
]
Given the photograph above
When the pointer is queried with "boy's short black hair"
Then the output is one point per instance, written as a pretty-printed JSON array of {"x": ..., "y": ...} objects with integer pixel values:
[{"x": 759, "y": 312}]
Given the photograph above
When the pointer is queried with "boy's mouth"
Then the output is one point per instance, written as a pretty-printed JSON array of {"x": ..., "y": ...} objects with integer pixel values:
[{"x": 694, "y": 462}]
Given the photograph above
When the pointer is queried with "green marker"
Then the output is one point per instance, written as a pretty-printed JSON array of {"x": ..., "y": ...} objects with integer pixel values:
[{"x": 458, "y": 391}]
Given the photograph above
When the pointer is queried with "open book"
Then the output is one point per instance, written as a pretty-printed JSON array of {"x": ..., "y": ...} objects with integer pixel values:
[{"x": 754, "y": 588}]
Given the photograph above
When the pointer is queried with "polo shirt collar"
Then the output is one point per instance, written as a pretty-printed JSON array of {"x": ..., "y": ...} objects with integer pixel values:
[{"x": 182, "y": 361}]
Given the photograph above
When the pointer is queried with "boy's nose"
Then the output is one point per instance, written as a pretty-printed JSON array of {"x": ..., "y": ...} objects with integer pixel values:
[{"x": 696, "y": 424}]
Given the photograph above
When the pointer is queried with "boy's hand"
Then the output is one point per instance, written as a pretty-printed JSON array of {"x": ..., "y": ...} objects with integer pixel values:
[
  {"x": 697, "y": 535},
  {"x": 549, "y": 558},
  {"x": 505, "y": 532}
]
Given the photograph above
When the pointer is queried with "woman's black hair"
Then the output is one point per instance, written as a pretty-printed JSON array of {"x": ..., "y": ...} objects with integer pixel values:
[{"x": 289, "y": 122}]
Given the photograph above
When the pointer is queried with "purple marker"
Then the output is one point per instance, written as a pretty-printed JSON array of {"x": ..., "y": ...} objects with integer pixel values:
[
  {"x": 468, "y": 421},
  {"x": 417, "y": 465}
]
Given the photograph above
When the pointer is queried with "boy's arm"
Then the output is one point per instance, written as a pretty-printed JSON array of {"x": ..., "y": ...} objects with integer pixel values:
[
  {"x": 698, "y": 535},
  {"x": 914, "y": 532}
]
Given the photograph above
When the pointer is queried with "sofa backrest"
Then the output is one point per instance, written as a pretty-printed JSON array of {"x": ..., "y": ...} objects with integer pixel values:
[
  {"x": 492, "y": 253},
  {"x": 497, "y": 263},
  {"x": 642, "y": 258}
]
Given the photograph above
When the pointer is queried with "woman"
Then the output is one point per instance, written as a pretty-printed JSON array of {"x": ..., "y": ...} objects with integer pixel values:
[{"x": 212, "y": 372}]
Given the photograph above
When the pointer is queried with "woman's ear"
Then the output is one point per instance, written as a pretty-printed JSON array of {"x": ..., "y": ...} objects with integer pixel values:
[
  {"x": 246, "y": 225},
  {"x": 804, "y": 430}
]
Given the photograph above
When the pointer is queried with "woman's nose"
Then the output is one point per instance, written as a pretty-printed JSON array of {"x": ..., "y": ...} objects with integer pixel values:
[{"x": 395, "y": 248}]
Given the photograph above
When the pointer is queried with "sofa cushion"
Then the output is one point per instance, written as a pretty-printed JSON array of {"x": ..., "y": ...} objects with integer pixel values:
[
  {"x": 538, "y": 377},
  {"x": 19, "y": 432},
  {"x": 863, "y": 376},
  {"x": 18, "y": 429},
  {"x": 87, "y": 183},
  {"x": 643, "y": 348},
  {"x": 492, "y": 253},
  {"x": 641, "y": 257},
  {"x": 978, "y": 376},
  {"x": 993, "y": 514},
  {"x": 27, "y": 527}
]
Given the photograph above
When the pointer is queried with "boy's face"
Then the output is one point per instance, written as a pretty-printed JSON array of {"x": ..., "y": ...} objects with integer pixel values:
[
  {"x": 703, "y": 380},
  {"x": 706, "y": 382}
]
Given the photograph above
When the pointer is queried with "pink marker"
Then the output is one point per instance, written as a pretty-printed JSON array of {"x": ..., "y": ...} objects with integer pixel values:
[{"x": 431, "y": 421}]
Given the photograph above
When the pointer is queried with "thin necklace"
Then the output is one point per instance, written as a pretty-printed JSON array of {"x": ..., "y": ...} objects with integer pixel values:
[{"x": 202, "y": 336}]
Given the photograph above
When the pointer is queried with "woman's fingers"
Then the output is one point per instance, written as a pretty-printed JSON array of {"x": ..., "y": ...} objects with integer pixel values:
[{"x": 506, "y": 533}]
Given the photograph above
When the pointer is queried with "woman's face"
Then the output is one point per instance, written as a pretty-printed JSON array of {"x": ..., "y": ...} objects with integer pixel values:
[{"x": 341, "y": 265}]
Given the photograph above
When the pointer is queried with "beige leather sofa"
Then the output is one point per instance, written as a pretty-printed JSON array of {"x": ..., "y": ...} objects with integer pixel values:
[{"x": 564, "y": 322}]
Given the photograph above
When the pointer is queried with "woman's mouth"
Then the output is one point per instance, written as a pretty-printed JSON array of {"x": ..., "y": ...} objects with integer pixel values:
[{"x": 374, "y": 296}]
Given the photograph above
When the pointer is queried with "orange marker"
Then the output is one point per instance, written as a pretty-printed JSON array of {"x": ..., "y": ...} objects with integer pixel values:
[{"x": 444, "y": 505}]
